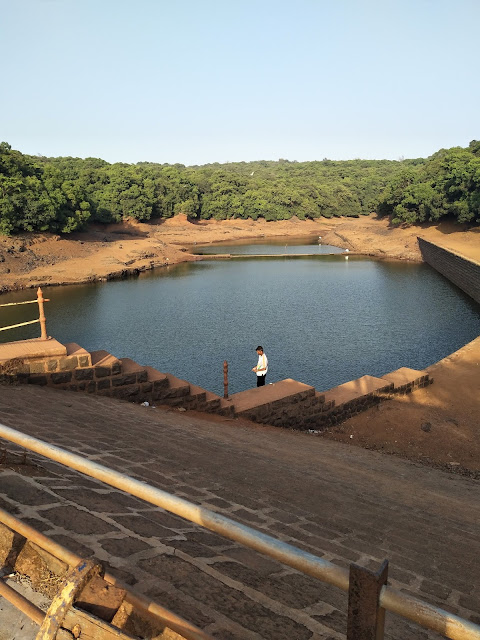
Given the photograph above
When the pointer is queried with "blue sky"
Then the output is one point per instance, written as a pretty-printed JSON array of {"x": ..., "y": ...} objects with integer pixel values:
[{"x": 198, "y": 81}]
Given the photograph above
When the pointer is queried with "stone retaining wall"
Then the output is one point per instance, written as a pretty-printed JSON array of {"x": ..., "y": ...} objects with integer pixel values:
[{"x": 461, "y": 271}]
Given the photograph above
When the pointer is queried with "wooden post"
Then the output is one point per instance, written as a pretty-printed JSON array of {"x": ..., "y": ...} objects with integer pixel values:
[
  {"x": 225, "y": 379},
  {"x": 366, "y": 619},
  {"x": 43, "y": 324}
]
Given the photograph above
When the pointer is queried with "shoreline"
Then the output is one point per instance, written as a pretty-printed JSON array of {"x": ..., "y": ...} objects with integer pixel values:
[{"x": 127, "y": 249}]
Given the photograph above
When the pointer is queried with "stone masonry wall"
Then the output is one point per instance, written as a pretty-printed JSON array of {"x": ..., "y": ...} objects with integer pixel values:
[{"x": 462, "y": 272}]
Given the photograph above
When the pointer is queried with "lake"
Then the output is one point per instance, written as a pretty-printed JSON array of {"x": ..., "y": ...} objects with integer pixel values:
[{"x": 322, "y": 320}]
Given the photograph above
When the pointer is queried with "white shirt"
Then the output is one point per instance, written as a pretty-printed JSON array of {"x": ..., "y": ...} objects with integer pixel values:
[{"x": 262, "y": 364}]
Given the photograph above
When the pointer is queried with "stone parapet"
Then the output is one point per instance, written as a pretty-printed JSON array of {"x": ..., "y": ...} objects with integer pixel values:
[{"x": 463, "y": 272}]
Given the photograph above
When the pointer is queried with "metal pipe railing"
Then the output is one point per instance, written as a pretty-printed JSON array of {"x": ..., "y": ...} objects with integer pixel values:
[
  {"x": 429, "y": 616},
  {"x": 21, "y": 603},
  {"x": 41, "y": 319},
  {"x": 167, "y": 617},
  {"x": 20, "y": 324}
]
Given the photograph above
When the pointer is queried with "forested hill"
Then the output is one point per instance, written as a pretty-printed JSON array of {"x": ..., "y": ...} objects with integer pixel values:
[{"x": 65, "y": 194}]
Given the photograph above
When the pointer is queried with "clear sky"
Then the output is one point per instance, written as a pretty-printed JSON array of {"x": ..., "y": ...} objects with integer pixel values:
[{"x": 198, "y": 81}]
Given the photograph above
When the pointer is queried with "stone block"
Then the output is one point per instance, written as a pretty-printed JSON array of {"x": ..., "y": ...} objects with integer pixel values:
[
  {"x": 52, "y": 365},
  {"x": 142, "y": 376},
  {"x": 37, "y": 367},
  {"x": 104, "y": 383},
  {"x": 120, "y": 381},
  {"x": 84, "y": 374},
  {"x": 68, "y": 363},
  {"x": 61, "y": 377},
  {"x": 40, "y": 380},
  {"x": 91, "y": 387},
  {"x": 116, "y": 368},
  {"x": 83, "y": 361},
  {"x": 103, "y": 372},
  {"x": 127, "y": 392}
]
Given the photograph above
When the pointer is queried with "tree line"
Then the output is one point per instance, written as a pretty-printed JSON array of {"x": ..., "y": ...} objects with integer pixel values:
[{"x": 64, "y": 194}]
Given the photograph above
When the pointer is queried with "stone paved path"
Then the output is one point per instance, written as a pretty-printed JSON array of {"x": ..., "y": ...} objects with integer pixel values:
[{"x": 345, "y": 504}]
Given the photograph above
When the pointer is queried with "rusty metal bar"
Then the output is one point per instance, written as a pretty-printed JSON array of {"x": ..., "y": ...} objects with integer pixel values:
[
  {"x": 21, "y": 324},
  {"x": 366, "y": 618},
  {"x": 170, "y": 619},
  {"x": 429, "y": 616},
  {"x": 19, "y": 601},
  {"x": 225, "y": 379}
]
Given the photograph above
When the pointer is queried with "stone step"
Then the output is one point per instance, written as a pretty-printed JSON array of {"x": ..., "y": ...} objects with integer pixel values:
[
  {"x": 212, "y": 403},
  {"x": 159, "y": 382},
  {"x": 226, "y": 408},
  {"x": 83, "y": 356},
  {"x": 181, "y": 393},
  {"x": 176, "y": 388},
  {"x": 364, "y": 387},
  {"x": 405, "y": 380},
  {"x": 132, "y": 372},
  {"x": 105, "y": 360},
  {"x": 32, "y": 349},
  {"x": 279, "y": 399}
]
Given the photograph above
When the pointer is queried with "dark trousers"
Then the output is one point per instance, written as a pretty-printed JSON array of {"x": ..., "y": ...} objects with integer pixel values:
[{"x": 261, "y": 380}]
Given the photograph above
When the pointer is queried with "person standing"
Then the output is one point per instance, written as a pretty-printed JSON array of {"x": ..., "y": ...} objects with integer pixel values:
[{"x": 262, "y": 367}]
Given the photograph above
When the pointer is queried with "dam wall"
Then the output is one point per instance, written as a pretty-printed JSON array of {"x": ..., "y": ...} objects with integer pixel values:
[{"x": 464, "y": 273}]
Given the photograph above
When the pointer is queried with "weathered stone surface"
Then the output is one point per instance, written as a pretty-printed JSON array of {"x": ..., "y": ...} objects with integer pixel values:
[
  {"x": 102, "y": 372},
  {"x": 68, "y": 363},
  {"x": 52, "y": 365},
  {"x": 61, "y": 377},
  {"x": 125, "y": 380},
  {"x": 124, "y": 547},
  {"x": 84, "y": 374},
  {"x": 103, "y": 383},
  {"x": 40, "y": 380},
  {"x": 23, "y": 491},
  {"x": 458, "y": 269},
  {"x": 83, "y": 361},
  {"x": 77, "y": 520},
  {"x": 37, "y": 367}
]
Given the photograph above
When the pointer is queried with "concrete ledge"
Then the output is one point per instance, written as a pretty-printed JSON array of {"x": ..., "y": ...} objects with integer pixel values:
[
  {"x": 405, "y": 380},
  {"x": 364, "y": 386},
  {"x": 260, "y": 396},
  {"x": 34, "y": 348}
]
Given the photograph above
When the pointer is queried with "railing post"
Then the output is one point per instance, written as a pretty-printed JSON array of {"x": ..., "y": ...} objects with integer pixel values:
[
  {"x": 366, "y": 619},
  {"x": 43, "y": 324},
  {"x": 225, "y": 379}
]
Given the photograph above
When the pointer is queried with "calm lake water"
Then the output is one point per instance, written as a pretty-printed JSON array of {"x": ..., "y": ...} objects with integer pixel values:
[{"x": 322, "y": 320}]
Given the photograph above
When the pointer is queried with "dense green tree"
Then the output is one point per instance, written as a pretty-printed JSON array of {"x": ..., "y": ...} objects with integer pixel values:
[{"x": 65, "y": 194}]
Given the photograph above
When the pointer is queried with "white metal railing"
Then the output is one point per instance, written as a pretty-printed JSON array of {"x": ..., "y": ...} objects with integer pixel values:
[
  {"x": 390, "y": 599},
  {"x": 41, "y": 319}
]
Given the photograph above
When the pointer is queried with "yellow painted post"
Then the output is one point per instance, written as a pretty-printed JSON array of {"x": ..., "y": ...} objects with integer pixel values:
[{"x": 43, "y": 324}]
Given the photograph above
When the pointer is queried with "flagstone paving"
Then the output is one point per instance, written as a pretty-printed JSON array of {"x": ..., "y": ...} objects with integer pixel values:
[{"x": 344, "y": 504}]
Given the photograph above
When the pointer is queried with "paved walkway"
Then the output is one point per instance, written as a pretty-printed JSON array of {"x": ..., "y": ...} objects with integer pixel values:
[{"x": 345, "y": 504}]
